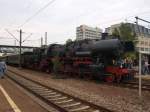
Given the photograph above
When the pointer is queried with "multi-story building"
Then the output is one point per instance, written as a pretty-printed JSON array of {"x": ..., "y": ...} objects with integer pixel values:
[
  {"x": 111, "y": 29},
  {"x": 143, "y": 45},
  {"x": 142, "y": 34},
  {"x": 86, "y": 32},
  {"x": 137, "y": 29}
]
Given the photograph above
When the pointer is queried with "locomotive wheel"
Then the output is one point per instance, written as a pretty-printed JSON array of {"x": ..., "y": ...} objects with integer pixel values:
[
  {"x": 110, "y": 78},
  {"x": 81, "y": 73},
  {"x": 118, "y": 78},
  {"x": 87, "y": 76},
  {"x": 77, "y": 73}
]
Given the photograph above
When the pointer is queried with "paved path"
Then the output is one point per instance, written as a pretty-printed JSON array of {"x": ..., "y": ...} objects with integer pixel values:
[{"x": 14, "y": 100}]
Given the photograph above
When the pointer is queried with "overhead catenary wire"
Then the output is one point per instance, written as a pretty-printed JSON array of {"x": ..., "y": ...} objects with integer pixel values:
[
  {"x": 107, "y": 22},
  {"x": 14, "y": 37},
  {"x": 50, "y": 2},
  {"x": 5, "y": 38},
  {"x": 26, "y": 38},
  {"x": 40, "y": 10},
  {"x": 123, "y": 18},
  {"x": 11, "y": 35}
]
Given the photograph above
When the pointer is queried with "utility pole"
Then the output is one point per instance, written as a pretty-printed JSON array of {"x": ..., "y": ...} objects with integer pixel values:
[
  {"x": 41, "y": 41},
  {"x": 45, "y": 38},
  {"x": 15, "y": 45},
  {"x": 140, "y": 56},
  {"x": 15, "y": 42},
  {"x": 140, "y": 59},
  {"x": 140, "y": 80},
  {"x": 20, "y": 42}
]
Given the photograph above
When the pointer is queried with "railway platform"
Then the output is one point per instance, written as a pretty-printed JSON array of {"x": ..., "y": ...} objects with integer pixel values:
[
  {"x": 4, "y": 105},
  {"x": 12, "y": 99}
]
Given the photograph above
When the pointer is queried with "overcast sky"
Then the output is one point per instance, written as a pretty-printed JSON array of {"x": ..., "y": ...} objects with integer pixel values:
[{"x": 61, "y": 18}]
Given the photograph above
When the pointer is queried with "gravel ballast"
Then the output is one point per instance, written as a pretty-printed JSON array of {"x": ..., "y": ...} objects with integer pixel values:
[{"x": 114, "y": 98}]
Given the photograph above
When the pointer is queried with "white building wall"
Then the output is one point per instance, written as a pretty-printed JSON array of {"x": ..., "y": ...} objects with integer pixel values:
[
  {"x": 139, "y": 30},
  {"x": 86, "y": 32},
  {"x": 143, "y": 45}
]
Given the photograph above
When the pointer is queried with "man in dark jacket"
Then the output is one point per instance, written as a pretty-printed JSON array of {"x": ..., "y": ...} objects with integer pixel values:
[{"x": 3, "y": 69}]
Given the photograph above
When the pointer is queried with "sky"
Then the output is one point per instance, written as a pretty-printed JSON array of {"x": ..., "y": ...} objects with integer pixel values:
[{"x": 61, "y": 17}]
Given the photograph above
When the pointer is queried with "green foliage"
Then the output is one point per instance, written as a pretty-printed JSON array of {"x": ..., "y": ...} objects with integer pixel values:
[
  {"x": 131, "y": 55},
  {"x": 116, "y": 33},
  {"x": 124, "y": 32},
  {"x": 68, "y": 41}
]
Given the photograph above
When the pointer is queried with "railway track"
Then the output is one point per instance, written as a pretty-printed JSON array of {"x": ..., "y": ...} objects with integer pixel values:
[
  {"x": 59, "y": 100},
  {"x": 135, "y": 85}
]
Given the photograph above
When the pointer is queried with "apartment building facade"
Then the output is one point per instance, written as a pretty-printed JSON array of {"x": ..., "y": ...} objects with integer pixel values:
[
  {"x": 137, "y": 29},
  {"x": 86, "y": 32},
  {"x": 142, "y": 34},
  {"x": 143, "y": 45}
]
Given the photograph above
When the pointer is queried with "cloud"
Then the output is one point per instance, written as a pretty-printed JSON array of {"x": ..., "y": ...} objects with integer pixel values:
[{"x": 62, "y": 17}]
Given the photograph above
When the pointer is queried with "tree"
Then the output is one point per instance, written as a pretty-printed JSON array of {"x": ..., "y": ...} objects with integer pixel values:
[
  {"x": 68, "y": 41},
  {"x": 124, "y": 32},
  {"x": 115, "y": 33}
]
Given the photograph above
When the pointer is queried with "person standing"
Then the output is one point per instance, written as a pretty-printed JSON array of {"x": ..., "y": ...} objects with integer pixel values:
[
  {"x": 2, "y": 70},
  {"x": 146, "y": 69},
  {"x": 4, "y": 67},
  {"x": 143, "y": 66}
]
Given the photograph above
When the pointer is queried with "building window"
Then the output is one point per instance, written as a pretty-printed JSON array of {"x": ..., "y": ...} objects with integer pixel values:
[
  {"x": 142, "y": 49},
  {"x": 137, "y": 48},
  {"x": 142, "y": 42},
  {"x": 146, "y": 43},
  {"x": 146, "y": 49}
]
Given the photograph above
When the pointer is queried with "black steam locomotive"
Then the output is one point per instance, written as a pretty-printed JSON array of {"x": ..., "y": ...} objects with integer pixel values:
[{"x": 85, "y": 58}]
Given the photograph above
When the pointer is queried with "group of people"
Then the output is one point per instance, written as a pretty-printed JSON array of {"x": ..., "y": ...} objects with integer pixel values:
[
  {"x": 124, "y": 63},
  {"x": 3, "y": 69}
]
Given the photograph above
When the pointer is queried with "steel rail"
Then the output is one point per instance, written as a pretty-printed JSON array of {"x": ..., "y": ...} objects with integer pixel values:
[{"x": 88, "y": 106}]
